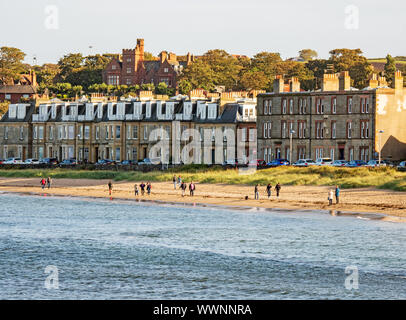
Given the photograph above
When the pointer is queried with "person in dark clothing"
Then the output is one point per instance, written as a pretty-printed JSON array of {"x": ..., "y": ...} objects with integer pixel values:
[
  {"x": 278, "y": 189},
  {"x": 268, "y": 190},
  {"x": 49, "y": 182},
  {"x": 135, "y": 189},
  {"x": 192, "y": 188},
  {"x": 174, "y": 181},
  {"x": 142, "y": 186},
  {"x": 337, "y": 194},
  {"x": 183, "y": 187},
  {"x": 149, "y": 188},
  {"x": 256, "y": 192},
  {"x": 110, "y": 185}
]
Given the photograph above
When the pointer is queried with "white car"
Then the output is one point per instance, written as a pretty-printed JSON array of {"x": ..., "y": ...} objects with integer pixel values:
[
  {"x": 324, "y": 161},
  {"x": 13, "y": 161},
  {"x": 304, "y": 163},
  {"x": 375, "y": 163},
  {"x": 31, "y": 161}
]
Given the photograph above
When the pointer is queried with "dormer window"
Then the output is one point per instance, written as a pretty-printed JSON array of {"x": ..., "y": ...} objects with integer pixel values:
[{"x": 166, "y": 70}]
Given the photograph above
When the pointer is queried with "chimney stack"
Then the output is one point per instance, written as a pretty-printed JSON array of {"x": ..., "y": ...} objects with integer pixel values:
[
  {"x": 382, "y": 82},
  {"x": 398, "y": 81},
  {"x": 344, "y": 81},
  {"x": 330, "y": 82},
  {"x": 163, "y": 55},
  {"x": 373, "y": 82},
  {"x": 278, "y": 84},
  {"x": 294, "y": 84}
]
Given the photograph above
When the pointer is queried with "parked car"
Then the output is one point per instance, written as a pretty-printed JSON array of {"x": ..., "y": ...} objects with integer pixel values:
[
  {"x": 278, "y": 162},
  {"x": 304, "y": 163},
  {"x": 230, "y": 162},
  {"x": 356, "y": 163},
  {"x": 258, "y": 163},
  {"x": 375, "y": 163},
  {"x": 13, "y": 161},
  {"x": 401, "y": 166},
  {"x": 127, "y": 162},
  {"x": 31, "y": 161},
  {"x": 324, "y": 161},
  {"x": 105, "y": 162},
  {"x": 53, "y": 161},
  {"x": 1, "y": 161},
  {"x": 146, "y": 161},
  {"x": 68, "y": 162},
  {"x": 339, "y": 163}
]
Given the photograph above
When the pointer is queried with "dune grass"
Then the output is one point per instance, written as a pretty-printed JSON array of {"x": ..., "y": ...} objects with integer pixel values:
[{"x": 384, "y": 178}]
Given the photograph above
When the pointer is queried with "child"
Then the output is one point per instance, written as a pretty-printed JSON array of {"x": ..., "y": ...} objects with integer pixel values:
[{"x": 149, "y": 188}]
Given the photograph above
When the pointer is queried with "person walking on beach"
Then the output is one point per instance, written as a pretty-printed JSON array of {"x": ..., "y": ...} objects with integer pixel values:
[
  {"x": 268, "y": 190},
  {"x": 192, "y": 188},
  {"x": 110, "y": 185},
  {"x": 42, "y": 183},
  {"x": 179, "y": 180},
  {"x": 49, "y": 182},
  {"x": 337, "y": 194},
  {"x": 278, "y": 189},
  {"x": 183, "y": 187},
  {"x": 174, "y": 181},
  {"x": 330, "y": 197},
  {"x": 256, "y": 192},
  {"x": 135, "y": 190},
  {"x": 148, "y": 188},
  {"x": 142, "y": 186}
]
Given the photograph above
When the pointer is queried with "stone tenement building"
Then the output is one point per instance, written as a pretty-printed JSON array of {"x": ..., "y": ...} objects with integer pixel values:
[
  {"x": 117, "y": 130},
  {"x": 132, "y": 68},
  {"x": 337, "y": 121}
]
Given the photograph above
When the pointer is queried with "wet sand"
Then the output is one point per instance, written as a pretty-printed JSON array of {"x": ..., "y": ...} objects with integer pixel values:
[{"x": 363, "y": 200}]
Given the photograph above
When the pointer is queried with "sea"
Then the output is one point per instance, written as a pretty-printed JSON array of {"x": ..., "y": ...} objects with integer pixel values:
[{"x": 54, "y": 247}]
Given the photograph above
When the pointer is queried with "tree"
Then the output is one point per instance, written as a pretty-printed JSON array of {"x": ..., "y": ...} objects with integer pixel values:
[
  {"x": 199, "y": 75},
  {"x": 353, "y": 61},
  {"x": 161, "y": 88},
  {"x": 253, "y": 80},
  {"x": 148, "y": 56},
  {"x": 390, "y": 69},
  {"x": 304, "y": 75},
  {"x": 46, "y": 73},
  {"x": 308, "y": 54},
  {"x": 3, "y": 107},
  {"x": 184, "y": 86},
  {"x": 69, "y": 64},
  {"x": 11, "y": 64},
  {"x": 148, "y": 86}
]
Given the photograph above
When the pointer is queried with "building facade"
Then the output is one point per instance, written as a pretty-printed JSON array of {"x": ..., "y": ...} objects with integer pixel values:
[
  {"x": 132, "y": 68},
  {"x": 124, "y": 130},
  {"x": 337, "y": 121}
]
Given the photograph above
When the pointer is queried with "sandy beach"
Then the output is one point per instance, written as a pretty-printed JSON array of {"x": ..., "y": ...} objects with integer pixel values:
[{"x": 363, "y": 200}]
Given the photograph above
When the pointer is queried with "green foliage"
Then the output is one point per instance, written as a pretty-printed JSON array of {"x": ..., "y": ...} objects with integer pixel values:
[
  {"x": 148, "y": 87},
  {"x": 390, "y": 69},
  {"x": 353, "y": 61},
  {"x": 11, "y": 64},
  {"x": 308, "y": 54},
  {"x": 184, "y": 86}
]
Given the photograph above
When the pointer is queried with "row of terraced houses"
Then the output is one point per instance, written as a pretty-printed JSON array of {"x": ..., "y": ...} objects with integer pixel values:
[
  {"x": 121, "y": 130},
  {"x": 337, "y": 121}
]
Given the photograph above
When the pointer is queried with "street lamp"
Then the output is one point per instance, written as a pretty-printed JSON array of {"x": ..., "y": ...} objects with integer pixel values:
[
  {"x": 380, "y": 139},
  {"x": 290, "y": 147}
]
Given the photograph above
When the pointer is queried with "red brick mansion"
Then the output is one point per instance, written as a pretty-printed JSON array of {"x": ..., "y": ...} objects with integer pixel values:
[{"x": 131, "y": 68}]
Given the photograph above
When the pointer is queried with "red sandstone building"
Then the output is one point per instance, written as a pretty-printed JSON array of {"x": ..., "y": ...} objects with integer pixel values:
[
  {"x": 24, "y": 88},
  {"x": 132, "y": 68}
]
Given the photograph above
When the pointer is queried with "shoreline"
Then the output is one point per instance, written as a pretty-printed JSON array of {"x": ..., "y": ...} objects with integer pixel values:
[{"x": 389, "y": 205}]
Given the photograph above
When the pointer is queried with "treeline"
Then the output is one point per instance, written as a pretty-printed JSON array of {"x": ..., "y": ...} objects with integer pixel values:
[{"x": 75, "y": 74}]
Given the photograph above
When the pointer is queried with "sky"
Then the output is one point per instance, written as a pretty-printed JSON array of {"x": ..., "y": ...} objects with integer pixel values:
[{"x": 49, "y": 29}]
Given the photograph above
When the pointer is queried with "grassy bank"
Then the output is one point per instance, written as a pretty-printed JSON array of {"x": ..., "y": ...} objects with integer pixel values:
[{"x": 384, "y": 178}]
